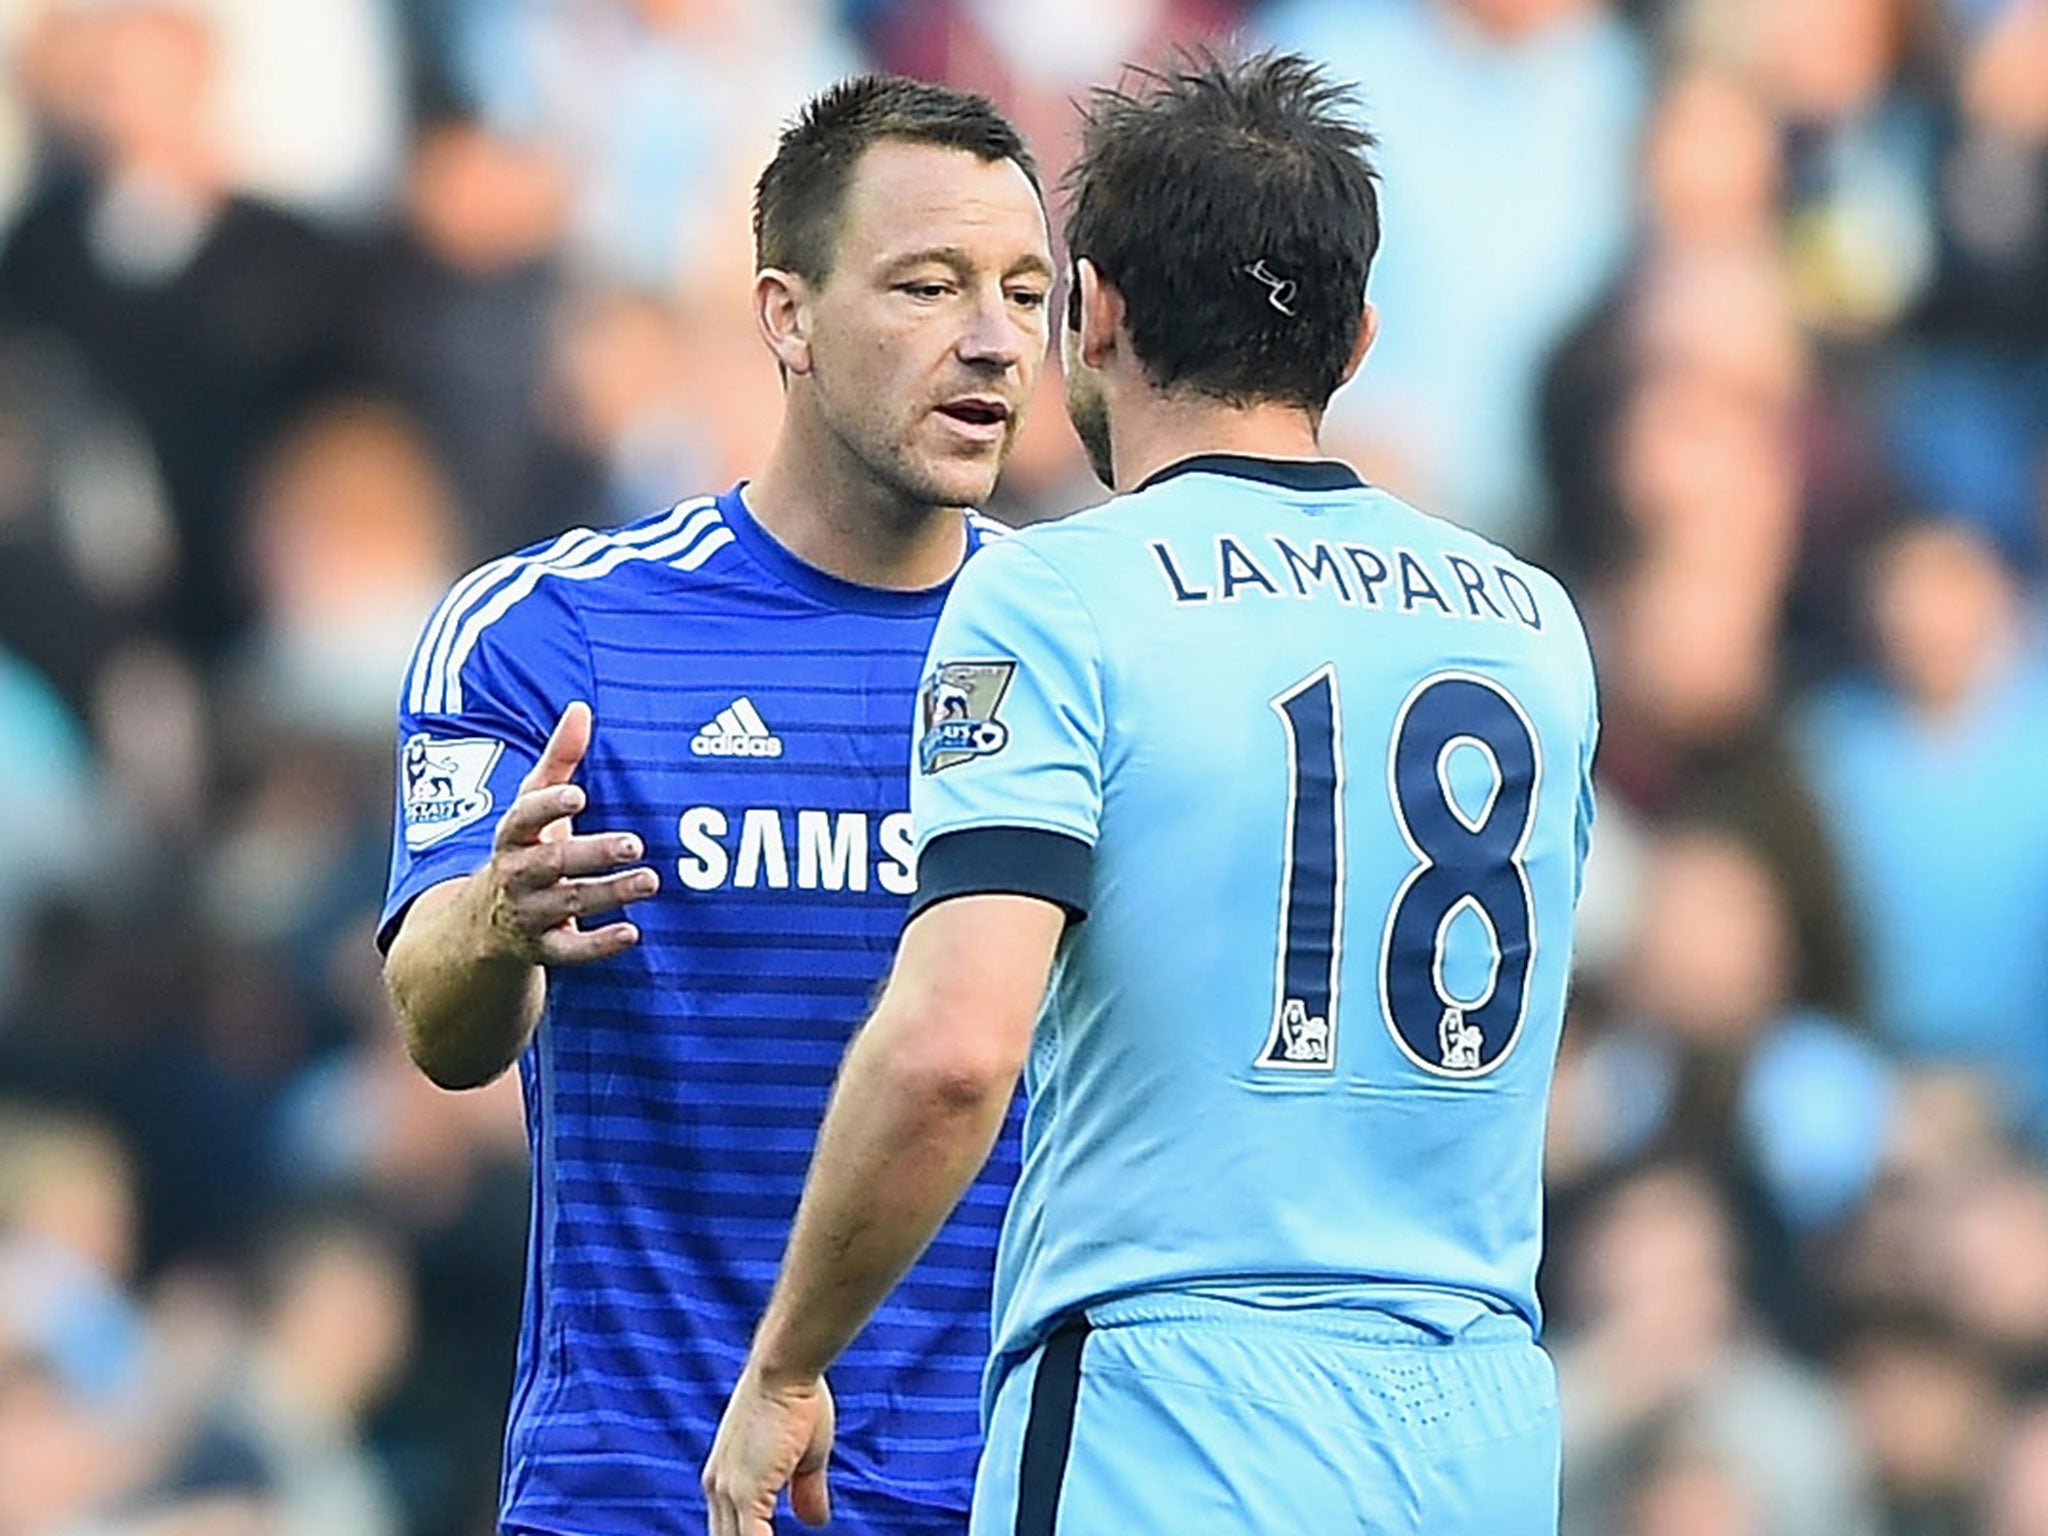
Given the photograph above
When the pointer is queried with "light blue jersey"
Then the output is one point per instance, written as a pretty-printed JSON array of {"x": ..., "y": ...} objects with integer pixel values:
[{"x": 1312, "y": 769}]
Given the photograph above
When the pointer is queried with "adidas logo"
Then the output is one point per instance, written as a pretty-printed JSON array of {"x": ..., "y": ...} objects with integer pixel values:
[{"x": 739, "y": 731}]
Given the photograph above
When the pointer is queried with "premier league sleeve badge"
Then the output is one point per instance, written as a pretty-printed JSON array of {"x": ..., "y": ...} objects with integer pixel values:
[
  {"x": 446, "y": 785},
  {"x": 957, "y": 712}
]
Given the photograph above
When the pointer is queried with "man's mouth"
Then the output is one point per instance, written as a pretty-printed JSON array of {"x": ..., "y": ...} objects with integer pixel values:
[{"x": 981, "y": 413}]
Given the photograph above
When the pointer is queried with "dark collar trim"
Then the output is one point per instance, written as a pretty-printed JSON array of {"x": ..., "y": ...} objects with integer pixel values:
[{"x": 1294, "y": 474}]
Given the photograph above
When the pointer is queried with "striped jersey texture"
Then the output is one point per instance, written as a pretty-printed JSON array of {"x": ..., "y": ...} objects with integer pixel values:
[{"x": 753, "y": 726}]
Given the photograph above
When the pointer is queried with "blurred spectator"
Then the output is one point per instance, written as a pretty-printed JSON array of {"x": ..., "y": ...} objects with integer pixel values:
[
  {"x": 1699, "y": 321},
  {"x": 2019, "y": 1493},
  {"x": 649, "y": 407},
  {"x": 333, "y": 1322},
  {"x": 149, "y": 715},
  {"x": 662, "y": 108},
  {"x": 1507, "y": 141},
  {"x": 52, "y": 778},
  {"x": 1969, "y": 407},
  {"x": 208, "y": 314},
  {"x": 312, "y": 100},
  {"x": 1945, "y": 1139},
  {"x": 450, "y": 1172},
  {"x": 464, "y": 294},
  {"x": 1691, "y": 732},
  {"x": 352, "y": 541},
  {"x": 1928, "y": 1402},
  {"x": 1848, "y": 81},
  {"x": 1704, "y": 1057},
  {"x": 1987, "y": 1264},
  {"x": 67, "y": 1250},
  {"x": 1662, "y": 1345},
  {"x": 1033, "y": 61},
  {"x": 1924, "y": 776},
  {"x": 1690, "y": 1492},
  {"x": 87, "y": 546},
  {"x": 58, "y": 1458}
]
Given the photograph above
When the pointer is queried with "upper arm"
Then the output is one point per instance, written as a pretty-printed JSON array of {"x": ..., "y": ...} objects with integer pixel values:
[
  {"x": 1007, "y": 791},
  {"x": 492, "y": 669}
]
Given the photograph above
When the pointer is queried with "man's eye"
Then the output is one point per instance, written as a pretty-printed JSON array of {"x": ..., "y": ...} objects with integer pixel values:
[
  {"x": 923, "y": 290},
  {"x": 1028, "y": 298}
]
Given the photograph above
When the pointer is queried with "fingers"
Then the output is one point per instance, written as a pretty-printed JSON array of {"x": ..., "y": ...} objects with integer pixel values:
[
  {"x": 810, "y": 1496},
  {"x": 541, "y": 926},
  {"x": 564, "y": 751},
  {"x": 539, "y": 865},
  {"x": 534, "y": 812},
  {"x": 764, "y": 1437},
  {"x": 734, "y": 1512},
  {"x": 565, "y": 900},
  {"x": 570, "y": 945}
]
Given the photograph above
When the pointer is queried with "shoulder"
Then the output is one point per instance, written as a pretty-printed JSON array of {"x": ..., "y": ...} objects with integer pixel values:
[
  {"x": 1550, "y": 594},
  {"x": 532, "y": 599},
  {"x": 1091, "y": 534},
  {"x": 566, "y": 570},
  {"x": 1069, "y": 554}
]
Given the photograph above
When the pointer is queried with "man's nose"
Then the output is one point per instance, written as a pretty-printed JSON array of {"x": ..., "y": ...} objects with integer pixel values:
[{"x": 993, "y": 337}]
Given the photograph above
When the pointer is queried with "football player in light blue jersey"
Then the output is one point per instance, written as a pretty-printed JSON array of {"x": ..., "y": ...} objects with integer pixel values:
[
  {"x": 751, "y": 660},
  {"x": 1251, "y": 810}
]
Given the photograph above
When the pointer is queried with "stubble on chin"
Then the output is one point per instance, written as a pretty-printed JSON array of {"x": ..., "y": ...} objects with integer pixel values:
[
  {"x": 926, "y": 482},
  {"x": 1091, "y": 424}
]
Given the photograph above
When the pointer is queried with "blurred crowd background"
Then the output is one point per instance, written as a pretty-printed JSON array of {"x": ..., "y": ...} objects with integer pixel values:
[{"x": 1735, "y": 312}]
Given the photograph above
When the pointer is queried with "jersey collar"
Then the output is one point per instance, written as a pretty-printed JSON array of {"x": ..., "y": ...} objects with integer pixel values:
[
  {"x": 1290, "y": 474},
  {"x": 832, "y": 591}
]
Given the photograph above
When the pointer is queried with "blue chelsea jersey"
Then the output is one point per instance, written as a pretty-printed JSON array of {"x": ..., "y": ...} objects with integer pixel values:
[
  {"x": 750, "y": 714},
  {"x": 1312, "y": 769}
]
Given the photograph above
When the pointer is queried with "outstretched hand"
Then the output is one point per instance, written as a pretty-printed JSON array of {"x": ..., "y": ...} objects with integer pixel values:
[
  {"x": 544, "y": 879},
  {"x": 771, "y": 1437}
]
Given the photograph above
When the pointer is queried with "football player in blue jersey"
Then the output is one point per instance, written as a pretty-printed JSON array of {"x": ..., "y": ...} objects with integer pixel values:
[
  {"x": 696, "y": 720},
  {"x": 1251, "y": 809}
]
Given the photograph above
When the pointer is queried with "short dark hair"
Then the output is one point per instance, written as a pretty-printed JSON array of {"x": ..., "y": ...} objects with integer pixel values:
[
  {"x": 1232, "y": 204},
  {"x": 801, "y": 193}
]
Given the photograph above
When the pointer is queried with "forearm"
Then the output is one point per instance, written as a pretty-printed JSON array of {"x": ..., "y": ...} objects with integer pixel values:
[
  {"x": 465, "y": 1006},
  {"x": 900, "y": 1144}
]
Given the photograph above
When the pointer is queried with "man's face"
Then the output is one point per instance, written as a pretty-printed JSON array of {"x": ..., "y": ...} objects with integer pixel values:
[
  {"x": 1086, "y": 408},
  {"x": 927, "y": 337}
]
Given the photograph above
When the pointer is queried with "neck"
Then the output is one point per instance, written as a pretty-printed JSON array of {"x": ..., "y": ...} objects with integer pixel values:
[
  {"x": 1165, "y": 429},
  {"x": 831, "y": 512}
]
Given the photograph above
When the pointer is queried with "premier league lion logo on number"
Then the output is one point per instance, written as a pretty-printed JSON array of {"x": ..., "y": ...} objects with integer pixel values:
[
  {"x": 1304, "y": 1037},
  {"x": 958, "y": 712}
]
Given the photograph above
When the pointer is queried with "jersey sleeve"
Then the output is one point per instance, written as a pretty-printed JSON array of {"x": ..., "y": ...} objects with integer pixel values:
[
  {"x": 1006, "y": 789},
  {"x": 489, "y": 676}
]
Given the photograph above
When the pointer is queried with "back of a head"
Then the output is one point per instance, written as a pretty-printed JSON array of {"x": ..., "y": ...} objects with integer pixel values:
[
  {"x": 800, "y": 195},
  {"x": 1232, "y": 204}
]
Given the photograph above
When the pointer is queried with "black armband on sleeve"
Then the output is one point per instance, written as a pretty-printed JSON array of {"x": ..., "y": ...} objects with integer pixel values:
[{"x": 1006, "y": 861}]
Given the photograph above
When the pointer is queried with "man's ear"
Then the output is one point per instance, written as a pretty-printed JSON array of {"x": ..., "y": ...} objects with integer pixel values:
[
  {"x": 1368, "y": 328},
  {"x": 782, "y": 309},
  {"x": 1098, "y": 312}
]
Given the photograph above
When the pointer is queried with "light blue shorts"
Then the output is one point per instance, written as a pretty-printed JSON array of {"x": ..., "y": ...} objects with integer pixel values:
[{"x": 1178, "y": 1416}]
